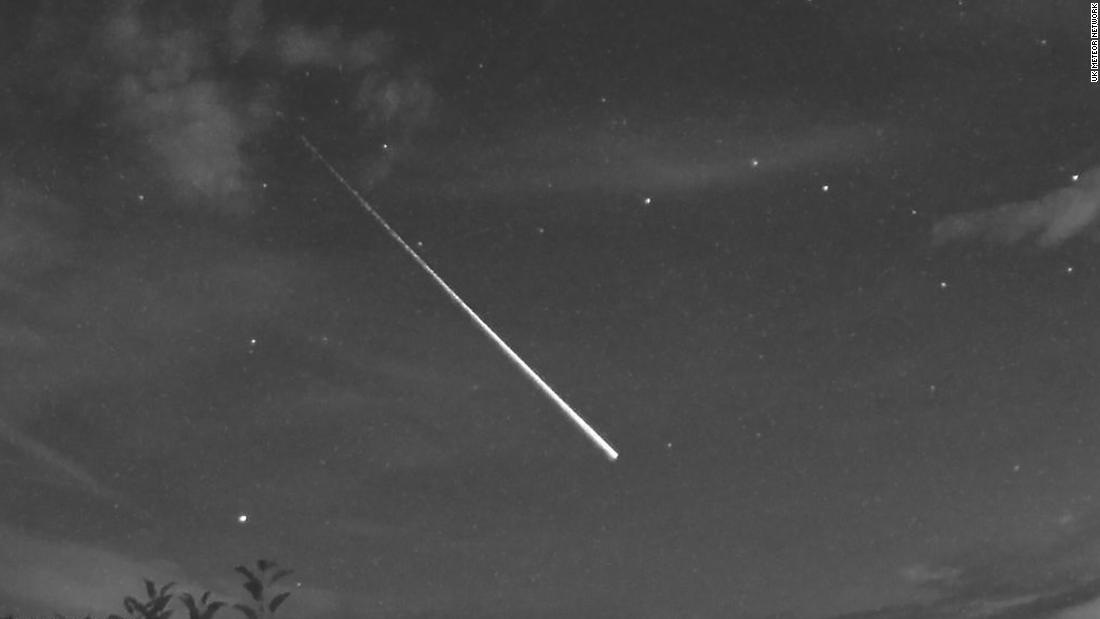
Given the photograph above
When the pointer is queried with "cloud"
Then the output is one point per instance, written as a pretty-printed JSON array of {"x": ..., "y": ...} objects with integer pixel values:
[
  {"x": 142, "y": 342},
  {"x": 43, "y": 576},
  {"x": 74, "y": 578},
  {"x": 1059, "y": 577},
  {"x": 924, "y": 575},
  {"x": 58, "y": 463},
  {"x": 1089, "y": 610},
  {"x": 1072, "y": 601},
  {"x": 680, "y": 157},
  {"x": 191, "y": 94},
  {"x": 1051, "y": 220},
  {"x": 246, "y": 19},
  {"x": 166, "y": 91},
  {"x": 198, "y": 139},
  {"x": 381, "y": 95}
]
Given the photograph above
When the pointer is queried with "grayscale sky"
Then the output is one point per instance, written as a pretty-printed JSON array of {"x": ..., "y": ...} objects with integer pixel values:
[{"x": 823, "y": 272}]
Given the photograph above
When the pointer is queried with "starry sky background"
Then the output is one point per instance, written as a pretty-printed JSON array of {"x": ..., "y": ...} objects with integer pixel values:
[{"x": 823, "y": 272}]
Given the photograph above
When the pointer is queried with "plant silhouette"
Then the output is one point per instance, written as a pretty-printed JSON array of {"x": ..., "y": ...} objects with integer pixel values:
[
  {"x": 258, "y": 587},
  {"x": 258, "y": 582},
  {"x": 201, "y": 609},
  {"x": 153, "y": 608}
]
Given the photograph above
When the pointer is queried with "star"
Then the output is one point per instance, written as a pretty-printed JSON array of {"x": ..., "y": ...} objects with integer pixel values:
[{"x": 242, "y": 518}]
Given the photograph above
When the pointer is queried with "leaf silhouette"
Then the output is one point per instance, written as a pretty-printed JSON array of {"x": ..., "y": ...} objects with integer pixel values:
[
  {"x": 280, "y": 574},
  {"x": 263, "y": 564},
  {"x": 158, "y": 604},
  {"x": 165, "y": 588},
  {"x": 278, "y": 600},
  {"x": 205, "y": 596},
  {"x": 256, "y": 588},
  {"x": 130, "y": 604},
  {"x": 150, "y": 589},
  {"x": 247, "y": 573},
  {"x": 192, "y": 609},
  {"x": 247, "y": 610}
]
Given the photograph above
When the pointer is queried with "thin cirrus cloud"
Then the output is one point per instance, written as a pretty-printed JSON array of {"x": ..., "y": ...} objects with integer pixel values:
[
  {"x": 1050, "y": 220},
  {"x": 684, "y": 156}
]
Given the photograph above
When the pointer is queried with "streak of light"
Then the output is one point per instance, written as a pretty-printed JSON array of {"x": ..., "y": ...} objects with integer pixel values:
[{"x": 546, "y": 389}]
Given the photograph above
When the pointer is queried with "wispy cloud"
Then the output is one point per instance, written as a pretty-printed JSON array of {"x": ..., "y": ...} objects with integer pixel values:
[
  {"x": 171, "y": 83},
  {"x": 680, "y": 157},
  {"x": 49, "y": 575},
  {"x": 73, "y": 578},
  {"x": 1058, "y": 578},
  {"x": 1050, "y": 220},
  {"x": 54, "y": 461}
]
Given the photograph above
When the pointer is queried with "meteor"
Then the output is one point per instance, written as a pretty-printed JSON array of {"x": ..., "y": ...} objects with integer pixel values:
[{"x": 546, "y": 389}]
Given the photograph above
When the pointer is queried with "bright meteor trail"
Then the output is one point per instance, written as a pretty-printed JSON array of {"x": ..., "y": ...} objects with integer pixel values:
[{"x": 485, "y": 328}]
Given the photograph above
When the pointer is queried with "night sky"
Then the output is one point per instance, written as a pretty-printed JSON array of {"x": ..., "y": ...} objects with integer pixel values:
[{"x": 825, "y": 273}]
